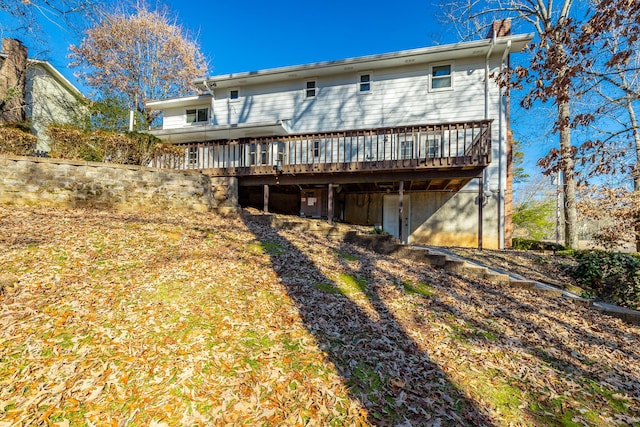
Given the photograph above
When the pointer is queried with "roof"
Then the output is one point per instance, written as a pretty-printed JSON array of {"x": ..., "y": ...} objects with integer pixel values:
[
  {"x": 55, "y": 73},
  {"x": 438, "y": 53},
  {"x": 233, "y": 131},
  {"x": 181, "y": 101}
]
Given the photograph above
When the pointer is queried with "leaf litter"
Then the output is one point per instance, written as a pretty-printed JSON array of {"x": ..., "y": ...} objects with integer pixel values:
[{"x": 195, "y": 319}]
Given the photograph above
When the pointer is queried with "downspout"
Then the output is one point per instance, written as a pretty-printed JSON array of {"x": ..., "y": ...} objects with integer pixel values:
[
  {"x": 210, "y": 90},
  {"x": 502, "y": 156},
  {"x": 486, "y": 78},
  {"x": 483, "y": 178}
]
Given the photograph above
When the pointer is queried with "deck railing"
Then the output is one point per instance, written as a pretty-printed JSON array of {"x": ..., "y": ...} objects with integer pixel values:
[{"x": 464, "y": 144}]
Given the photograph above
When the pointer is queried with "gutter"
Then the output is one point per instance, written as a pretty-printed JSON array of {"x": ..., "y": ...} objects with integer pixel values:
[{"x": 421, "y": 55}]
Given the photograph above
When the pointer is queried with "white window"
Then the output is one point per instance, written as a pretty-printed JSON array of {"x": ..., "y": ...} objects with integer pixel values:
[
  {"x": 441, "y": 77},
  {"x": 252, "y": 154},
  {"x": 364, "y": 83},
  {"x": 406, "y": 148},
  {"x": 264, "y": 153},
  {"x": 192, "y": 157},
  {"x": 311, "y": 88},
  {"x": 433, "y": 147},
  {"x": 198, "y": 115},
  {"x": 234, "y": 94},
  {"x": 258, "y": 154}
]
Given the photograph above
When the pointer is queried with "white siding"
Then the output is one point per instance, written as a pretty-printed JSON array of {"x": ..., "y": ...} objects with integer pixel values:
[
  {"x": 48, "y": 101},
  {"x": 174, "y": 118},
  {"x": 399, "y": 96}
]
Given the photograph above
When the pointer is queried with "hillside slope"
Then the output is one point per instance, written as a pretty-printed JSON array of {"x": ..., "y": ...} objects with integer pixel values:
[{"x": 153, "y": 319}]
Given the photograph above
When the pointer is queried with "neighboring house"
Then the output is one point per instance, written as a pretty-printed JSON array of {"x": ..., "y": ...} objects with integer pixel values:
[
  {"x": 409, "y": 141},
  {"x": 48, "y": 96}
]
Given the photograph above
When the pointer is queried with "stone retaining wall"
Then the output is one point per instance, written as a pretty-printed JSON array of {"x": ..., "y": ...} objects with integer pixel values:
[{"x": 65, "y": 183}]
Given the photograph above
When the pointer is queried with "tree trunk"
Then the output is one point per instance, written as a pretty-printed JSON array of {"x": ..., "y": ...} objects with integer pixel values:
[
  {"x": 636, "y": 168},
  {"x": 569, "y": 182},
  {"x": 13, "y": 82}
]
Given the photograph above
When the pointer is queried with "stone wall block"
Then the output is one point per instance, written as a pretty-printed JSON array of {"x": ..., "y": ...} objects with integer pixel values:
[{"x": 53, "y": 182}]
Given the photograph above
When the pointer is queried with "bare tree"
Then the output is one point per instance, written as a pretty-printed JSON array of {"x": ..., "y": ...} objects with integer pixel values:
[
  {"x": 140, "y": 53},
  {"x": 552, "y": 74},
  {"x": 609, "y": 47},
  {"x": 27, "y": 17}
]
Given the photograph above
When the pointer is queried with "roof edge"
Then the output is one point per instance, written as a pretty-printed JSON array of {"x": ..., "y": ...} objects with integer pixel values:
[
  {"x": 521, "y": 39},
  {"x": 55, "y": 73}
]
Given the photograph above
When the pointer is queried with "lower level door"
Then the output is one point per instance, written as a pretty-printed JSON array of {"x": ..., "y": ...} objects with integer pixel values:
[{"x": 390, "y": 216}]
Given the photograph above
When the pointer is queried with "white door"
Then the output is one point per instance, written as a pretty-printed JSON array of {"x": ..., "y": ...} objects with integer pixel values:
[{"x": 390, "y": 222}]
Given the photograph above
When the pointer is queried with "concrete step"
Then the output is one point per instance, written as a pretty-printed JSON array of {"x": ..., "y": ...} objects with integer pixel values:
[
  {"x": 414, "y": 254},
  {"x": 475, "y": 271},
  {"x": 494, "y": 277},
  {"x": 335, "y": 236},
  {"x": 523, "y": 284},
  {"x": 626, "y": 314},
  {"x": 437, "y": 260},
  {"x": 455, "y": 266},
  {"x": 553, "y": 293}
]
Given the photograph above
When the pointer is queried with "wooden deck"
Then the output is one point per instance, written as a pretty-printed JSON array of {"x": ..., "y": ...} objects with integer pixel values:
[{"x": 454, "y": 150}]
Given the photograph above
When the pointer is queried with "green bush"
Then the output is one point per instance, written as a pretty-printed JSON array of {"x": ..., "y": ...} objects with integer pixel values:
[
  {"x": 535, "y": 217},
  {"x": 535, "y": 245},
  {"x": 133, "y": 148},
  {"x": 612, "y": 276},
  {"x": 69, "y": 142}
]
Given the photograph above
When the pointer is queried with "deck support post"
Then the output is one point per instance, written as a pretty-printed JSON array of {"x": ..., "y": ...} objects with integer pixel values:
[
  {"x": 330, "y": 203},
  {"x": 480, "y": 206},
  {"x": 400, "y": 210},
  {"x": 266, "y": 198}
]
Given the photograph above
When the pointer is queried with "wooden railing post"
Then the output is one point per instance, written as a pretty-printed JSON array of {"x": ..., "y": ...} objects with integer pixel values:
[
  {"x": 330, "y": 205},
  {"x": 266, "y": 199},
  {"x": 400, "y": 210},
  {"x": 480, "y": 209}
]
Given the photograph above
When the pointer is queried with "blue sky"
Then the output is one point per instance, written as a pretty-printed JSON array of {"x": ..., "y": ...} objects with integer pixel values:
[{"x": 251, "y": 35}]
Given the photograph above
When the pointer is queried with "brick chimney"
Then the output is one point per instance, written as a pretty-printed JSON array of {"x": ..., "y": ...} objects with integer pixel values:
[
  {"x": 13, "y": 81},
  {"x": 500, "y": 28}
]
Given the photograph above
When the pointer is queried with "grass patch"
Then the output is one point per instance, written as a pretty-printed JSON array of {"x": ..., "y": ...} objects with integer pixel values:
[
  {"x": 422, "y": 289},
  {"x": 344, "y": 284},
  {"x": 615, "y": 401},
  {"x": 347, "y": 256},
  {"x": 506, "y": 398},
  {"x": 269, "y": 248},
  {"x": 327, "y": 287},
  {"x": 169, "y": 292},
  {"x": 350, "y": 285}
]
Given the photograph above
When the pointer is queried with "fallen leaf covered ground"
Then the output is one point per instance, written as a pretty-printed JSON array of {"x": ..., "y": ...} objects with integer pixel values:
[{"x": 162, "y": 319}]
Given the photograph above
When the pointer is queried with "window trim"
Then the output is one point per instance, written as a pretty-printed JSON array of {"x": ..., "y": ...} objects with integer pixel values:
[
  {"x": 193, "y": 155},
  {"x": 406, "y": 147},
  {"x": 432, "y": 77},
  {"x": 360, "y": 83},
  {"x": 434, "y": 147},
  {"x": 234, "y": 89},
  {"x": 196, "y": 111},
  {"x": 306, "y": 88}
]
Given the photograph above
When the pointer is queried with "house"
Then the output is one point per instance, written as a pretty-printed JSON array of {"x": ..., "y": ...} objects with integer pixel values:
[
  {"x": 47, "y": 96},
  {"x": 415, "y": 142}
]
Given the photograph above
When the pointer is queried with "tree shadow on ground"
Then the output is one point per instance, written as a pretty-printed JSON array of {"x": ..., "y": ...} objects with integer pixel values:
[
  {"x": 573, "y": 342},
  {"x": 383, "y": 367}
]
